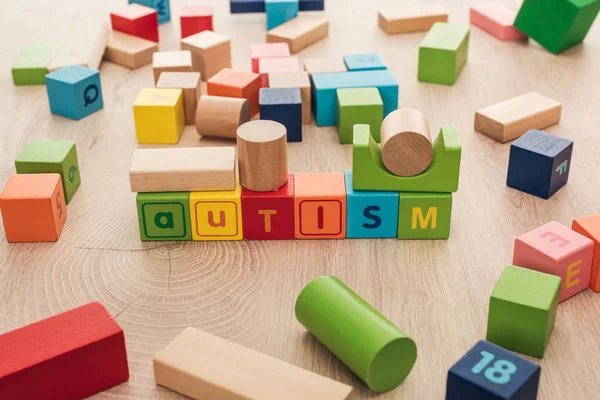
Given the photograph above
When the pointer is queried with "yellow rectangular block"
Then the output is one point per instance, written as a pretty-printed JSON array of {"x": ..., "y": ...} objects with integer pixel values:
[
  {"x": 217, "y": 215},
  {"x": 159, "y": 116}
]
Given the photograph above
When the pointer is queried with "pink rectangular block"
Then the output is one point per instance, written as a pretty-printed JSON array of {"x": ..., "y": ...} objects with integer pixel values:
[
  {"x": 267, "y": 50},
  {"x": 557, "y": 250},
  {"x": 496, "y": 19},
  {"x": 268, "y": 65}
]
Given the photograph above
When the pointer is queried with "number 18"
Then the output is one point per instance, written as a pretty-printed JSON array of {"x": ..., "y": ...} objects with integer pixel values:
[{"x": 501, "y": 371}]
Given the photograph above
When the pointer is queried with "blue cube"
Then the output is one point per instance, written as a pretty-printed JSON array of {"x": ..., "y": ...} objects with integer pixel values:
[
  {"x": 74, "y": 91},
  {"x": 488, "y": 372},
  {"x": 283, "y": 106},
  {"x": 539, "y": 163},
  {"x": 162, "y": 7},
  {"x": 312, "y": 5},
  {"x": 370, "y": 214},
  {"x": 364, "y": 62},
  {"x": 280, "y": 12},
  {"x": 246, "y": 6}
]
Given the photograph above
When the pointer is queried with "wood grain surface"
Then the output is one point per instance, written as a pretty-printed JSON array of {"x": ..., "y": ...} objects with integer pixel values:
[{"x": 435, "y": 291}]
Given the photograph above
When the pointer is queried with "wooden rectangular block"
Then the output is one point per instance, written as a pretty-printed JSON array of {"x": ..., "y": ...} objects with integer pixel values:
[
  {"x": 74, "y": 92},
  {"x": 159, "y": 116},
  {"x": 425, "y": 215},
  {"x": 173, "y": 61},
  {"x": 509, "y": 119},
  {"x": 300, "y": 80},
  {"x": 183, "y": 169},
  {"x": 164, "y": 216},
  {"x": 283, "y": 106},
  {"x": 324, "y": 65},
  {"x": 83, "y": 45},
  {"x": 364, "y": 62},
  {"x": 31, "y": 66},
  {"x": 411, "y": 19},
  {"x": 300, "y": 32},
  {"x": 443, "y": 53},
  {"x": 72, "y": 355},
  {"x": 191, "y": 85},
  {"x": 136, "y": 20},
  {"x": 590, "y": 228},
  {"x": 356, "y": 107},
  {"x": 196, "y": 19},
  {"x": 239, "y": 84},
  {"x": 496, "y": 19},
  {"x": 129, "y": 51},
  {"x": 211, "y": 52},
  {"x": 320, "y": 206},
  {"x": 283, "y": 64},
  {"x": 267, "y": 50}
]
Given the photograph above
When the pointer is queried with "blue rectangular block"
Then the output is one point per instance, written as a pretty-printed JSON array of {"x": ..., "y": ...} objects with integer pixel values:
[
  {"x": 364, "y": 62},
  {"x": 280, "y": 12},
  {"x": 488, "y": 372},
  {"x": 162, "y": 7},
  {"x": 283, "y": 106},
  {"x": 312, "y": 5},
  {"x": 247, "y": 6},
  {"x": 370, "y": 214},
  {"x": 326, "y": 85},
  {"x": 74, "y": 91}
]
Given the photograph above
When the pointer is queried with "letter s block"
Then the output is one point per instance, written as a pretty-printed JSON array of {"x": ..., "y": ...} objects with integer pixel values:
[
  {"x": 424, "y": 215},
  {"x": 164, "y": 216},
  {"x": 74, "y": 92}
]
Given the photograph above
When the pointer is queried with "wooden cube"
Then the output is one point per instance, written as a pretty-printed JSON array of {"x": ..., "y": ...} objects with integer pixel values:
[
  {"x": 162, "y": 8},
  {"x": 196, "y": 19},
  {"x": 364, "y": 62},
  {"x": 280, "y": 11},
  {"x": 425, "y": 215},
  {"x": 173, "y": 61},
  {"x": 443, "y": 53},
  {"x": 211, "y": 52},
  {"x": 33, "y": 208},
  {"x": 164, "y": 216},
  {"x": 418, "y": 18},
  {"x": 74, "y": 92},
  {"x": 267, "y": 50},
  {"x": 129, "y": 51},
  {"x": 31, "y": 66},
  {"x": 283, "y": 106},
  {"x": 590, "y": 228},
  {"x": 190, "y": 84},
  {"x": 159, "y": 116},
  {"x": 358, "y": 106},
  {"x": 239, "y": 84},
  {"x": 324, "y": 65},
  {"x": 300, "y": 32},
  {"x": 297, "y": 79},
  {"x": 136, "y": 20},
  {"x": 320, "y": 206},
  {"x": 523, "y": 310},
  {"x": 496, "y": 19},
  {"x": 269, "y": 65}
]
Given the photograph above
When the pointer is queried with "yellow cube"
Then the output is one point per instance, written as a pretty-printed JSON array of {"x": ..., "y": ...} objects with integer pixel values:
[
  {"x": 159, "y": 116},
  {"x": 217, "y": 215}
]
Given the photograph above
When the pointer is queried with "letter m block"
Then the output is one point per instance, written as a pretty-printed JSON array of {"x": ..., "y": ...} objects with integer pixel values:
[{"x": 424, "y": 215}]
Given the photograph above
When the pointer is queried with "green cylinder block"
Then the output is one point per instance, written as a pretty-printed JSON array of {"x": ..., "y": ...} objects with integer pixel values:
[{"x": 363, "y": 339}]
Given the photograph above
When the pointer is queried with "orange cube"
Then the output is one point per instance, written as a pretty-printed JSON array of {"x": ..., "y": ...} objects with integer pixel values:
[
  {"x": 33, "y": 208},
  {"x": 232, "y": 83},
  {"x": 320, "y": 206}
]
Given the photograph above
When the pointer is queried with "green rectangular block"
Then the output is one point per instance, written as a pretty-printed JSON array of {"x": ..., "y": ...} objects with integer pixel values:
[
  {"x": 164, "y": 216},
  {"x": 52, "y": 156},
  {"x": 31, "y": 66},
  {"x": 557, "y": 24},
  {"x": 424, "y": 215},
  {"x": 359, "y": 106},
  {"x": 443, "y": 53},
  {"x": 522, "y": 310}
]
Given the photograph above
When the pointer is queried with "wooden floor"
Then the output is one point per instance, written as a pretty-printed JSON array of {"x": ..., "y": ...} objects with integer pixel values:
[{"x": 436, "y": 291}]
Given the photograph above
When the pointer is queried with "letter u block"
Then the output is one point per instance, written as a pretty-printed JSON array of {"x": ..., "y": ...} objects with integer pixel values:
[
  {"x": 74, "y": 92},
  {"x": 425, "y": 215},
  {"x": 557, "y": 250},
  {"x": 164, "y": 216},
  {"x": 320, "y": 206}
]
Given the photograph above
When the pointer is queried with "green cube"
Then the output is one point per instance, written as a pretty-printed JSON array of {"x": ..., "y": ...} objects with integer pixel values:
[
  {"x": 52, "y": 156},
  {"x": 424, "y": 215},
  {"x": 522, "y": 310},
  {"x": 31, "y": 66},
  {"x": 443, "y": 53},
  {"x": 557, "y": 24},
  {"x": 164, "y": 216},
  {"x": 361, "y": 106}
]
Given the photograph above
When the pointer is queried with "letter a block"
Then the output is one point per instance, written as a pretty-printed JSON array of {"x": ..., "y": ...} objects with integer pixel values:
[
  {"x": 320, "y": 206},
  {"x": 557, "y": 250},
  {"x": 269, "y": 215},
  {"x": 164, "y": 216},
  {"x": 159, "y": 116},
  {"x": 74, "y": 92},
  {"x": 425, "y": 215},
  {"x": 590, "y": 228}
]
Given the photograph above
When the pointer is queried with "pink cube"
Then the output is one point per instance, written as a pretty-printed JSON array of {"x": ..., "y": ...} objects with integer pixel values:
[
  {"x": 557, "y": 250},
  {"x": 496, "y": 19},
  {"x": 267, "y": 50},
  {"x": 196, "y": 19},
  {"x": 268, "y": 65}
]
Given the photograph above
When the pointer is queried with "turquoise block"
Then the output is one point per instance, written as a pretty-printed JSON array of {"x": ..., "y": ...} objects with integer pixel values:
[
  {"x": 74, "y": 91},
  {"x": 280, "y": 12},
  {"x": 162, "y": 7},
  {"x": 364, "y": 62},
  {"x": 326, "y": 85},
  {"x": 370, "y": 214}
]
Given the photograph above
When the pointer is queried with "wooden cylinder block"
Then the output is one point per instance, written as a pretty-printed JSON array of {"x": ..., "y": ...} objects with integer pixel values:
[
  {"x": 262, "y": 155},
  {"x": 406, "y": 147},
  {"x": 221, "y": 116}
]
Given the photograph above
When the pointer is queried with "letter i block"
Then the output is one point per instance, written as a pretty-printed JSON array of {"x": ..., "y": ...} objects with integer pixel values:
[
  {"x": 159, "y": 116},
  {"x": 557, "y": 250},
  {"x": 74, "y": 91},
  {"x": 162, "y": 7},
  {"x": 136, "y": 20},
  {"x": 522, "y": 310},
  {"x": 424, "y": 215},
  {"x": 320, "y": 206},
  {"x": 488, "y": 372},
  {"x": 359, "y": 107},
  {"x": 590, "y": 228},
  {"x": 164, "y": 216}
]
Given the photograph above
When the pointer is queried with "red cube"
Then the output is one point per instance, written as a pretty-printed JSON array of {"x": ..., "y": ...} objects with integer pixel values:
[
  {"x": 196, "y": 19},
  {"x": 136, "y": 20}
]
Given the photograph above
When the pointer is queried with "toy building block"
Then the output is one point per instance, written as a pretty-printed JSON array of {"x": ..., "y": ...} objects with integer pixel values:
[
  {"x": 370, "y": 214},
  {"x": 283, "y": 106},
  {"x": 320, "y": 206},
  {"x": 217, "y": 215},
  {"x": 52, "y": 156},
  {"x": 522, "y": 310},
  {"x": 369, "y": 173},
  {"x": 221, "y": 116},
  {"x": 262, "y": 155},
  {"x": 136, "y": 20},
  {"x": 300, "y": 32},
  {"x": 183, "y": 169},
  {"x": 211, "y": 52},
  {"x": 31, "y": 66},
  {"x": 312, "y": 5},
  {"x": 74, "y": 92},
  {"x": 590, "y": 228},
  {"x": 129, "y": 51},
  {"x": 539, "y": 163},
  {"x": 488, "y": 372},
  {"x": 269, "y": 215},
  {"x": 364, "y": 62},
  {"x": 297, "y": 79},
  {"x": 159, "y": 116},
  {"x": 240, "y": 84},
  {"x": 196, "y": 19},
  {"x": 268, "y": 65},
  {"x": 509, "y": 119},
  {"x": 173, "y": 61},
  {"x": 557, "y": 24},
  {"x": 358, "y": 106},
  {"x": 202, "y": 366},
  {"x": 190, "y": 84},
  {"x": 326, "y": 85},
  {"x": 443, "y": 53},
  {"x": 162, "y": 8},
  {"x": 247, "y": 6},
  {"x": 425, "y": 215},
  {"x": 557, "y": 250},
  {"x": 411, "y": 19},
  {"x": 72, "y": 355},
  {"x": 377, "y": 351},
  {"x": 267, "y": 50},
  {"x": 33, "y": 208},
  {"x": 164, "y": 216},
  {"x": 84, "y": 45},
  {"x": 280, "y": 12},
  {"x": 324, "y": 65},
  {"x": 497, "y": 19}
]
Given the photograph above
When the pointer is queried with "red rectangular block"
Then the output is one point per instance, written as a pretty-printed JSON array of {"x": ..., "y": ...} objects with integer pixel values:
[
  {"x": 196, "y": 19},
  {"x": 136, "y": 20},
  {"x": 72, "y": 355}
]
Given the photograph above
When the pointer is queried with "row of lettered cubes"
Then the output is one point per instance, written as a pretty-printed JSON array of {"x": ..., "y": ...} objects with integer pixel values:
[{"x": 309, "y": 206}]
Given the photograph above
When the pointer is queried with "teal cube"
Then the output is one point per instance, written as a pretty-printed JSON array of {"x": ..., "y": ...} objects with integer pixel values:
[
  {"x": 359, "y": 106},
  {"x": 162, "y": 7},
  {"x": 31, "y": 66},
  {"x": 280, "y": 12},
  {"x": 425, "y": 215},
  {"x": 364, "y": 62},
  {"x": 443, "y": 53},
  {"x": 74, "y": 92},
  {"x": 164, "y": 216}
]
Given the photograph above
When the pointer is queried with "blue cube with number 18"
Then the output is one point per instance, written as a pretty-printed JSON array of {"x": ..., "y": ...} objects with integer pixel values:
[
  {"x": 162, "y": 7},
  {"x": 74, "y": 91}
]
